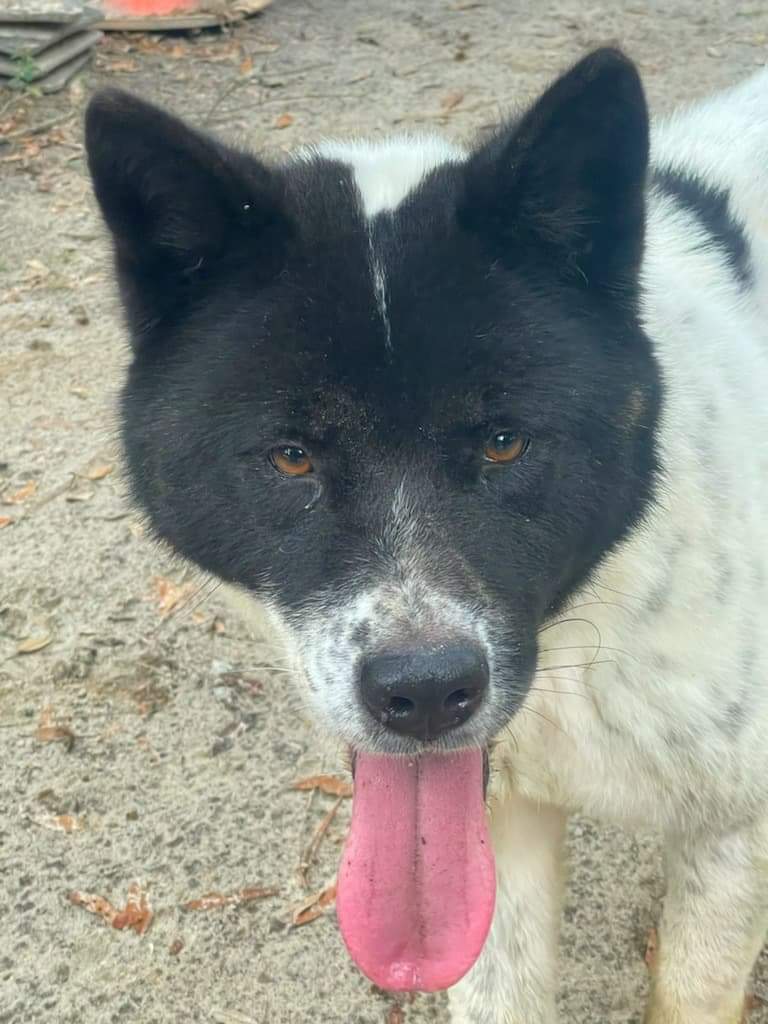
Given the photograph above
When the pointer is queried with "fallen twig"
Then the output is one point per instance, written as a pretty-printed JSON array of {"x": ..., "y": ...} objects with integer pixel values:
[{"x": 308, "y": 857}]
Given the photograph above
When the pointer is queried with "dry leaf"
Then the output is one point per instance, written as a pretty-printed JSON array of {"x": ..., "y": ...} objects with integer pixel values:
[
  {"x": 313, "y": 907},
  {"x": 49, "y": 732},
  {"x": 216, "y": 900},
  {"x": 395, "y": 1015},
  {"x": 136, "y": 914},
  {"x": 99, "y": 470},
  {"x": 451, "y": 101},
  {"x": 6, "y": 521},
  {"x": 330, "y": 784},
  {"x": 170, "y": 594},
  {"x": 22, "y": 494},
  {"x": 33, "y": 644},
  {"x": 60, "y": 822},
  {"x": 284, "y": 121},
  {"x": 93, "y": 904},
  {"x": 122, "y": 65}
]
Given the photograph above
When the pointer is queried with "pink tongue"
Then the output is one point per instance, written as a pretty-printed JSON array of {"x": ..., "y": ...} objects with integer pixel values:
[{"x": 417, "y": 883}]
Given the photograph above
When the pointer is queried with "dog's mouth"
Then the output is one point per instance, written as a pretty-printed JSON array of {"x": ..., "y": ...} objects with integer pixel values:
[{"x": 417, "y": 880}]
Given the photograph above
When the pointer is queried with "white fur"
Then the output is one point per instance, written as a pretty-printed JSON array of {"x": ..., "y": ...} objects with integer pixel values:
[{"x": 387, "y": 172}]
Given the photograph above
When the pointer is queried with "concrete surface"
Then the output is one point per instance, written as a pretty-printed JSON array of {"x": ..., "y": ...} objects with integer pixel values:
[{"x": 186, "y": 739}]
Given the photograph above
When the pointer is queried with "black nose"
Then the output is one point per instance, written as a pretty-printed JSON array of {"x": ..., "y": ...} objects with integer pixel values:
[{"x": 424, "y": 693}]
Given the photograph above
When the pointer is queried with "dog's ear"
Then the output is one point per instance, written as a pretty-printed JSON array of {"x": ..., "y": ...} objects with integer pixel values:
[
  {"x": 565, "y": 184},
  {"x": 176, "y": 201}
]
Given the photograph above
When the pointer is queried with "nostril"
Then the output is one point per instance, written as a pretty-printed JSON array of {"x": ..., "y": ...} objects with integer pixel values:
[
  {"x": 399, "y": 707},
  {"x": 424, "y": 692},
  {"x": 460, "y": 699}
]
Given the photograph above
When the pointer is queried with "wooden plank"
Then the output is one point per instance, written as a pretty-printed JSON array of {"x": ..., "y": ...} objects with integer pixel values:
[
  {"x": 55, "y": 56},
  {"x": 28, "y": 40},
  {"x": 59, "y": 78},
  {"x": 47, "y": 11}
]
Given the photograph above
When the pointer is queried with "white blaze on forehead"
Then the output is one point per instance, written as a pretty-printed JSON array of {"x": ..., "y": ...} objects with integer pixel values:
[{"x": 386, "y": 172}]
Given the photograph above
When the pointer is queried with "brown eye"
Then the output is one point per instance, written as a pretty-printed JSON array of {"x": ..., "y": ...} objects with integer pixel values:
[
  {"x": 290, "y": 460},
  {"x": 505, "y": 447}
]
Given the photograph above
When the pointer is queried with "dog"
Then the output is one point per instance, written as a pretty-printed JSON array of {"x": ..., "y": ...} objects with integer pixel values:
[{"x": 482, "y": 435}]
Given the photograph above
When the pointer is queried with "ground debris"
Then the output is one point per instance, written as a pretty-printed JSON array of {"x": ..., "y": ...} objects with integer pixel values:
[
  {"x": 98, "y": 470},
  {"x": 33, "y": 644},
  {"x": 49, "y": 731},
  {"x": 28, "y": 490},
  {"x": 216, "y": 900},
  {"x": 331, "y": 784},
  {"x": 59, "y": 822},
  {"x": 651, "y": 949},
  {"x": 169, "y": 594},
  {"x": 310, "y": 853},
  {"x": 451, "y": 101},
  {"x": 313, "y": 906},
  {"x": 136, "y": 914}
]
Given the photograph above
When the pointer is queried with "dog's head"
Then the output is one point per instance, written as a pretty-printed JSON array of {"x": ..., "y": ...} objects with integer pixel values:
[{"x": 397, "y": 393}]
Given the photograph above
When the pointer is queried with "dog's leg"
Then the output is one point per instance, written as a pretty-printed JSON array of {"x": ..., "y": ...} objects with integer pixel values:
[
  {"x": 713, "y": 925},
  {"x": 515, "y": 979}
]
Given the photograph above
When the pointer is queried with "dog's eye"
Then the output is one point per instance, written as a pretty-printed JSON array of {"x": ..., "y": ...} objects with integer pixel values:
[
  {"x": 290, "y": 460},
  {"x": 505, "y": 446}
]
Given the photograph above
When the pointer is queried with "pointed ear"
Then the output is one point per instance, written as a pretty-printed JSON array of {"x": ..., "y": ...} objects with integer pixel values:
[
  {"x": 176, "y": 201},
  {"x": 565, "y": 185}
]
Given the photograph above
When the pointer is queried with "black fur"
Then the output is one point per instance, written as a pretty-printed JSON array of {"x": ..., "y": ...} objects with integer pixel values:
[
  {"x": 710, "y": 206},
  {"x": 511, "y": 296}
]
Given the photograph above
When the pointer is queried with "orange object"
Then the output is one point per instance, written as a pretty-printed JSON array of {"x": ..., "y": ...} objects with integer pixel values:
[{"x": 152, "y": 6}]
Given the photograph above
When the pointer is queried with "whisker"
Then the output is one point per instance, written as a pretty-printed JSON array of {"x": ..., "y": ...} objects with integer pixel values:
[
  {"x": 269, "y": 668},
  {"x": 566, "y": 679},
  {"x": 604, "y": 604},
  {"x": 549, "y": 721},
  {"x": 565, "y": 622},
  {"x": 565, "y": 693},
  {"x": 578, "y": 664},
  {"x": 185, "y": 602},
  {"x": 588, "y": 647},
  {"x": 191, "y": 610},
  {"x": 613, "y": 590}
]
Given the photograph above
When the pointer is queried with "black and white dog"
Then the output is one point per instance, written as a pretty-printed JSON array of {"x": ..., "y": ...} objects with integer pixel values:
[{"x": 483, "y": 433}]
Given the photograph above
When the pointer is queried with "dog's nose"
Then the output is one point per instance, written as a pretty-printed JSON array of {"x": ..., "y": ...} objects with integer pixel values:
[{"x": 423, "y": 693}]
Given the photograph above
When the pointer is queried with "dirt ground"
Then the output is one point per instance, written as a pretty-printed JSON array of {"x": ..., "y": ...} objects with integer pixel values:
[{"x": 145, "y": 736}]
